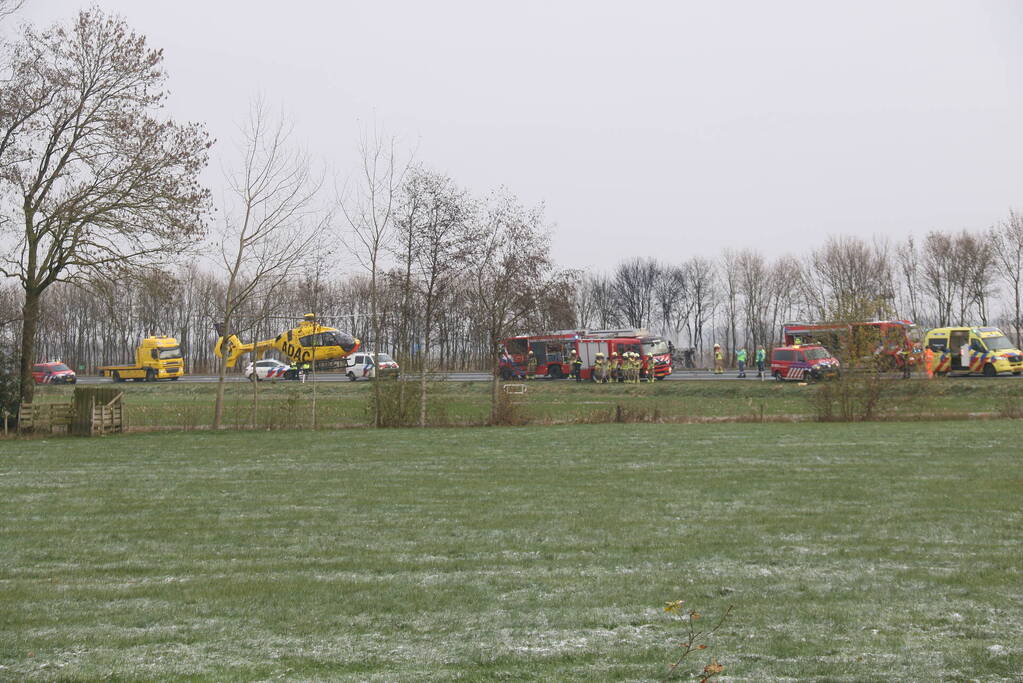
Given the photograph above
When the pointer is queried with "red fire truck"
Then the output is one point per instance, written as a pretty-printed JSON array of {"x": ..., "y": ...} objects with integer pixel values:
[
  {"x": 553, "y": 351},
  {"x": 892, "y": 342}
]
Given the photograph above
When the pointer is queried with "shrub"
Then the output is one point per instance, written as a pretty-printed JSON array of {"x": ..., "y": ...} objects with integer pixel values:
[{"x": 9, "y": 386}]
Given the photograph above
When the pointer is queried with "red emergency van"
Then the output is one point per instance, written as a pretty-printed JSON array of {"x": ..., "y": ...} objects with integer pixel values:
[{"x": 804, "y": 362}]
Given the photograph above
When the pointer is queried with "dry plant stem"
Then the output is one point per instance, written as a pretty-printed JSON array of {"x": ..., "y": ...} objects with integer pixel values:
[{"x": 689, "y": 645}]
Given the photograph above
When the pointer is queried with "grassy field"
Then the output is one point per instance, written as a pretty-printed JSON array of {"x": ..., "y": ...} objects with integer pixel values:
[
  {"x": 850, "y": 552},
  {"x": 344, "y": 404}
]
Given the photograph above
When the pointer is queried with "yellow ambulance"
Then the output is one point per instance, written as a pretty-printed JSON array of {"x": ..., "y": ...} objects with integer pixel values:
[{"x": 987, "y": 351}]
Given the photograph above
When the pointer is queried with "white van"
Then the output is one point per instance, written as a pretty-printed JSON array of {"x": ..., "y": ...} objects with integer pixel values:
[{"x": 361, "y": 365}]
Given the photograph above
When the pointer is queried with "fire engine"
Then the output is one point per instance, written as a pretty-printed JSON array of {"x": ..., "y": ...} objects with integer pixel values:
[
  {"x": 889, "y": 342},
  {"x": 553, "y": 351}
]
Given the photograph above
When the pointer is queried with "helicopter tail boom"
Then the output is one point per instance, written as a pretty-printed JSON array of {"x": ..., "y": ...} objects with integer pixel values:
[{"x": 235, "y": 348}]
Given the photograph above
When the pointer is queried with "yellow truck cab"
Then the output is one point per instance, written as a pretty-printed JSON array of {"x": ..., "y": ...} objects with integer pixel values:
[
  {"x": 157, "y": 357},
  {"x": 990, "y": 352}
]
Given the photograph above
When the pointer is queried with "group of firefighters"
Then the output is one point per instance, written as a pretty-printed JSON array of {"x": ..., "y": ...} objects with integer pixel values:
[{"x": 628, "y": 367}]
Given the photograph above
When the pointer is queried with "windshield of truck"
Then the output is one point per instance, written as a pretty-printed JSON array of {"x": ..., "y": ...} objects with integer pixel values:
[
  {"x": 169, "y": 353},
  {"x": 816, "y": 354},
  {"x": 654, "y": 347},
  {"x": 999, "y": 343}
]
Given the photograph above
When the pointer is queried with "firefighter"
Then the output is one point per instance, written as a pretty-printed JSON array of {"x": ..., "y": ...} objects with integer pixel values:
[
  {"x": 761, "y": 357},
  {"x": 614, "y": 367},
  {"x": 740, "y": 356},
  {"x": 636, "y": 365},
  {"x": 719, "y": 360},
  {"x": 530, "y": 365},
  {"x": 599, "y": 369},
  {"x": 651, "y": 369},
  {"x": 577, "y": 366}
]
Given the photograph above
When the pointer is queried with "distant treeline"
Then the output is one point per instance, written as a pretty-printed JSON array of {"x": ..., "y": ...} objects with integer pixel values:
[{"x": 739, "y": 299}]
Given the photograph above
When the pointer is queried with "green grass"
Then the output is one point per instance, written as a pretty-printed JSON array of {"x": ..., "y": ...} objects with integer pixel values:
[
  {"x": 851, "y": 552},
  {"x": 343, "y": 404}
]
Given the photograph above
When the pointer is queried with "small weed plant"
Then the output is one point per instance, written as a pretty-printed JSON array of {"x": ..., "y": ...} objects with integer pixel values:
[{"x": 694, "y": 640}]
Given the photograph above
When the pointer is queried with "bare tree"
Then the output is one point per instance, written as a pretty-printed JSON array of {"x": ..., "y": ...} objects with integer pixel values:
[
  {"x": 701, "y": 274},
  {"x": 731, "y": 282},
  {"x": 907, "y": 258},
  {"x": 369, "y": 207},
  {"x": 511, "y": 272},
  {"x": 97, "y": 180},
  {"x": 436, "y": 217},
  {"x": 634, "y": 281},
  {"x": 1009, "y": 252},
  {"x": 851, "y": 279},
  {"x": 940, "y": 274},
  {"x": 270, "y": 224}
]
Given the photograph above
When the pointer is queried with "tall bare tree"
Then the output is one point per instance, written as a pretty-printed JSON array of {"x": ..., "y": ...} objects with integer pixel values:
[
  {"x": 270, "y": 223},
  {"x": 95, "y": 178},
  {"x": 634, "y": 281},
  {"x": 436, "y": 219},
  {"x": 1009, "y": 251},
  {"x": 369, "y": 204},
  {"x": 511, "y": 273}
]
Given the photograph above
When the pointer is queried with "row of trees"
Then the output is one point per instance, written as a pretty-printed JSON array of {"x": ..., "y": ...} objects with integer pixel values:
[
  {"x": 427, "y": 305},
  {"x": 742, "y": 297}
]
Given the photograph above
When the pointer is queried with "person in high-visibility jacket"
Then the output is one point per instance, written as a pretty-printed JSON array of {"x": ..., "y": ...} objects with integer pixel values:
[
  {"x": 577, "y": 366},
  {"x": 929, "y": 362},
  {"x": 530, "y": 365},
  {"x": 740, "y": 357},
  {"x": 719, "y": 360},
  {"x": 761, "y": 357},
  {"x": 599, "y": 369},
  {"x": 651, "y": 369}
]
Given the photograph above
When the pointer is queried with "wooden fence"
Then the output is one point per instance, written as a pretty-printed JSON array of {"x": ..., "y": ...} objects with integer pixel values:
[
  {"x": 93, "y": 410},
  {"x": 44, "y": 417}
]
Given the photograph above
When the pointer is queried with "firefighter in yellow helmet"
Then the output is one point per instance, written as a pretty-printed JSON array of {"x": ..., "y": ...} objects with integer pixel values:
[
  {"x": 530, "y": 365},
  {"x": 599, "y": 369},
  {"x": 577, "y": 366}
]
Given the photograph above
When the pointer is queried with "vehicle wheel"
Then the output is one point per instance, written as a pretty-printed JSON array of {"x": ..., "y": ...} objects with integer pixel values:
[
  {"x": 150, "y": 376},
  {"x": 1017, "y": 372},
  {"x": 351, "y": 376},
  {"x": 175, "y": 378},
  {"x": 777, "y": 376},
  {"x": 554, "y": 372},
  {"x": 989, "y": 370},
  {"x": 506, "y": 374},
  {"x": 116, "y": 376}
]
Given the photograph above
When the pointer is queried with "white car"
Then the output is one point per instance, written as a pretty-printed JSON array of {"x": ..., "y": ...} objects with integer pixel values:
[
  {"x": 269, "y": 369},
  {"x": 362, "y": 366}
]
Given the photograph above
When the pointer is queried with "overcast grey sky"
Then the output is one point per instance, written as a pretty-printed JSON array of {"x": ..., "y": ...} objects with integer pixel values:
[{"x": 661, "y": 129}]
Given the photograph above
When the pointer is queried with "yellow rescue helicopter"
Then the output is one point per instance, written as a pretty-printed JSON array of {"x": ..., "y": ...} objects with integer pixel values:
[{"x": 310, "y": 342}]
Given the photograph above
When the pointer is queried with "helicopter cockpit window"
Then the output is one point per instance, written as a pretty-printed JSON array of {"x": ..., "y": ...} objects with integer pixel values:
[{"x": 332, "y": 338}]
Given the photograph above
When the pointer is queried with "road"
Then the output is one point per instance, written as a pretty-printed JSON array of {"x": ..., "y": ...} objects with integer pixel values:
[{"x": 700, "y": 375}]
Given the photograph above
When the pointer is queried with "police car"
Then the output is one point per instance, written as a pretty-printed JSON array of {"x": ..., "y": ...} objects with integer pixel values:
[{"x": 367, "y": 365}]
